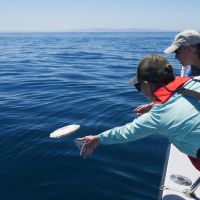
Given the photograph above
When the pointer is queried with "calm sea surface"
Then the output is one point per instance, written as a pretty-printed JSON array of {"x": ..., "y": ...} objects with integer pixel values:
[{"x": 50, "y": 80}]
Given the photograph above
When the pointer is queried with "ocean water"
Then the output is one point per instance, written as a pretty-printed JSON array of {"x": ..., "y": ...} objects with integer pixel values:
[{"x": 50, "y": 80}]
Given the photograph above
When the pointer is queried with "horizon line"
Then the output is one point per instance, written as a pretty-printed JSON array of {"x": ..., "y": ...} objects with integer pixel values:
[{"x": 92, "y": 30}]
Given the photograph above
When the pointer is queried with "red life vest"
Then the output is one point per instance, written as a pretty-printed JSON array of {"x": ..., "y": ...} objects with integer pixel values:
[{"x": 162, "y": 95}]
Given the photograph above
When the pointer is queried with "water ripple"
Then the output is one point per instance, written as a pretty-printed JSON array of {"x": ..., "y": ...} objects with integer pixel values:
[{"x": 49, "y": 80}]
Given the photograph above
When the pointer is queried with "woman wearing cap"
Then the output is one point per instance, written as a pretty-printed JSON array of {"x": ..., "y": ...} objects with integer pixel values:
[
  {"x": 186, "y": 46},
  {"x": 155, "y": 79}
]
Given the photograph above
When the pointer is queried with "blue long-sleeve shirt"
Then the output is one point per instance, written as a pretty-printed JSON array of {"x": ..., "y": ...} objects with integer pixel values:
[{"x": 178, "y": 119}]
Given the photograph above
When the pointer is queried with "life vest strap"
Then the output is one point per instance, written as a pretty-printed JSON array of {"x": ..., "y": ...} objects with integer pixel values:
[{"x": 190, "y": 93}]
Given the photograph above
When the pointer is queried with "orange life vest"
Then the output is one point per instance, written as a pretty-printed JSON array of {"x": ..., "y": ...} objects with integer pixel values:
[{"x": 164, "y": 93}]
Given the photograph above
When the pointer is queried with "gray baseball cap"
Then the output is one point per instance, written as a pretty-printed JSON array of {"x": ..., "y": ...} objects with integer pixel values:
[{"x": 184, "y": 38}]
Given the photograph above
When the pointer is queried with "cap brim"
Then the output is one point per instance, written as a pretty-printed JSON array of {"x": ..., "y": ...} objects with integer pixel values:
[
  {"x": 133, "y": 80},
  {"x": 171, "y": 49}
]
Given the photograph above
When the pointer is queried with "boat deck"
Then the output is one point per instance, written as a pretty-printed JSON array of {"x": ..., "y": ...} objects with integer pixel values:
[{"x": 179, "y": 175}]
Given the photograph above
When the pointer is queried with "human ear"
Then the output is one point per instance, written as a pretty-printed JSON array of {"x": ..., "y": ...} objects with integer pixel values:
[
  {"x": 146, "y": 84},
  {"x": 191, "y": 48}
]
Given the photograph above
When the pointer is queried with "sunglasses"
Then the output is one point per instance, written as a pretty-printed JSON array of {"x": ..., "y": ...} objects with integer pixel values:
[
  {"x": 178, "y": 51},
  {"x": 138, "y": 85}
]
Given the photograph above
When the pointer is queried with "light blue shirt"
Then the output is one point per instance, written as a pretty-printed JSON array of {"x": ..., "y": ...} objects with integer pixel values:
[{"x": 178, "y": 119}]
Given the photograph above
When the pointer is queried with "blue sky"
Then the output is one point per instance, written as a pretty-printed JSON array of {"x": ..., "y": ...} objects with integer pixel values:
[{"x": 64, "y": 15}]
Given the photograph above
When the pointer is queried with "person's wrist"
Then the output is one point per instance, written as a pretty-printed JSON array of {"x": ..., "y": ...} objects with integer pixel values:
[
  {"x": 98, "y": 138},
  {"x": 150, "y": 105}
]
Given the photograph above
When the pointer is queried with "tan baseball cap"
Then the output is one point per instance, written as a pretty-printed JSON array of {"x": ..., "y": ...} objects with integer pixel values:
[{"x": 184, "y": 38}]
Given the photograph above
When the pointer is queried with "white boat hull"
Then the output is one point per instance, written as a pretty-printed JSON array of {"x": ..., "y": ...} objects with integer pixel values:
[{"x": 178, "y": 170}]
